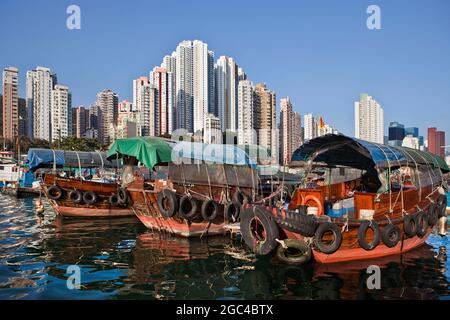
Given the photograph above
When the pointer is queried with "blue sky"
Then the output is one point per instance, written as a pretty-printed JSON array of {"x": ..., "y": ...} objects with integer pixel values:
[{"x": 319, "y": 53}]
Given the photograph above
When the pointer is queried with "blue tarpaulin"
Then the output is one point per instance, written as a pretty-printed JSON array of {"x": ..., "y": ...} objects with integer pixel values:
[{"x": 47, "y": 158}]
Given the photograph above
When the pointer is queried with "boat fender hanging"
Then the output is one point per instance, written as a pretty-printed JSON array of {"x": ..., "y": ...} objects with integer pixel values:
[
  {"x": 259, "y": 230},
  {"x": 54, "y": 192},
  {"x": 167, "y": 203},
  {"x": 321, "y": 244},
  {"x": 391, "y": 235},
  {"x": 293, "y": 251},
  {"x": 240, "y": 198},
  {"x": 422, "y": 224},
  {"x": 410, "y": 225},
  {"x": 122, "y": 195},
  {"x": 76, "y": 196},
  {"x": 209, "y": 210},
  {"x": 113, "y": 200},
  {"x": 231, "y": 212},
  {"x": 188, "y": 207},
  {"x": 310, "y": 198},
  {"x": 433, "y": 214},
  {"x": 362, "y": 235},
  {"x": 90, "y": 197}
]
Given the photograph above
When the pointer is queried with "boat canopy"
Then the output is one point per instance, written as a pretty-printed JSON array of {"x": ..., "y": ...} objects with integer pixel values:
[
  {"x": 152, "y": 151},
  {"x": 340, "y": 150},
  {"x": 49, "y": 158}
]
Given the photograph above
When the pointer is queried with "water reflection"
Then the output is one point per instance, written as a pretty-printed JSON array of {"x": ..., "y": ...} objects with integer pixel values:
[{"x": 121, "y": 259}]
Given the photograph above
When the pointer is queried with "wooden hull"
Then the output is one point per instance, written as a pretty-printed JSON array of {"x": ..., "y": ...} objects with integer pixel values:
[
  {"x": 102, "y": 209},
  {"x": 86, "y": 212},
  {"x": 146, "y": 209}
]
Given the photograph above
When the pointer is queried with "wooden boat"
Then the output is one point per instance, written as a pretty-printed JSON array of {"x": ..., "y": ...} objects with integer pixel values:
[
  {"x": 190, "y": 199},
  {"x": 74, "y": 197},
  {"x": 397, "y": 200}
]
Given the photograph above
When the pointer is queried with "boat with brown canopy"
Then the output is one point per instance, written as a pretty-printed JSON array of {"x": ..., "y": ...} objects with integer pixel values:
[{"x": 389, "y": 209}]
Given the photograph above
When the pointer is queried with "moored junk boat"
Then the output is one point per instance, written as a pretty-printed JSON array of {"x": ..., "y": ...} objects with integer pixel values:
[
  {"x": 191, "y": 189},
  {"x": 72, "y": 189},
  {"x": 390, "y": 208}
]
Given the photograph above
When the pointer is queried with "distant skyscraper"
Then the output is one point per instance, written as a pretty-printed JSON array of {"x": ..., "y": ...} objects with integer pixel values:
[
  {"x": 201, "y": 86},
  {"x": 145, "y": 101},
  {"x": 226, "y": 84},
  {"x": 246, "y": 113},
  {"x": 309, "y": 124},
  {"x": 39, "y": 86},
  {"x": 61, "y": 113},
  {"x": 127, "y": 122},
  {"x": 396, "y": 134},
  {"x": 436, "y": 142},
  {"x": 264, "y": 102},
  {"x": 10, "y": 102},
  {"x": 107, "y": 102},
  {"x": 184, "y": 86},
  {"x": 286, "y": 132},
  {"x": 162, "y": 80},
  {"x": 413, "y": 131},
  {"x": 80, "y": 121},
  {"x": 369, "y": 119},
  {"x": 297, "y": 138}
]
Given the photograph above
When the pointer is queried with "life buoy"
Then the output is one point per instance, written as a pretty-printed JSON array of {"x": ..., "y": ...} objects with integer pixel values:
[
  {"x": 410, "y": 225},
  {"x": 113, "y": 200},
  {"x": 54, "y": 192},
  {"x": 188, "y": 207},
  {"x": 313, "y": 199},
  {"x": 231, "y": 212},
  {"x": 391, "y": 235},
  {"x": 321, "y": 243},
  {"x": 209, "y": 210},
  {"x": 240, "y": 198},
  {"x": 422, "y": 224},
  {"x": 122, "y": 195},
  {"x": 433, "y": 214},
  {"x": 76, "y": 196},
  {"x": 167, "y": 203},
  {"x": 362, "y": 235},
  {"x": 294, "y": 252},
  {"x": 90, "y": 197},
  {"x": 259, "y": 230}
]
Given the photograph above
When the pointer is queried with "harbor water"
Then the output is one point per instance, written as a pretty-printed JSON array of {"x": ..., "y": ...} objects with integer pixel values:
[{"x": 121, "y": 259}]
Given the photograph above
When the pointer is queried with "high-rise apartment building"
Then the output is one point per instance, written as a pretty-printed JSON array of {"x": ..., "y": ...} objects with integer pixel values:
[
  {"x": 10, "y": 114},
  {"x": 369, "y": 119},
  {"x": 80, "y": 121},
  {"x": 61, "y": 113},
  {"x": 264, "y": 102},
  {"x": 436, "y": 142},
  {"x": 286, "y": 130},
  {"x": 107, "y": 103},
  {"x": 297, "y": 136},
  {"x": 145, "y": 102},
  {"x": 162, "y": 80},
  {"x": 226, "y": 92},
  {"x": 310, "y": 127},
  {"x": 246, "y": 114},
  {"x": 127, "y": 121},
  {"x": 39, "y": 86},
  {"x": 212, "y": 132}
]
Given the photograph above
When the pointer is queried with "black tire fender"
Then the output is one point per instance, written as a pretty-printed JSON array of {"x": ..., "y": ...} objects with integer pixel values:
[
  {"x": 167, "y": 203},
  {"x": 75, "y": 196},
  {"x": 320, "y": 232},
  {"x": 391, "y": 235},
  {"x": 122, "y": 195},
  {"x": 188, "y": 207},
  {"x": 362, "y": 233},
  {"x": 422, "y": 224},
  {"x": 113, "y": 200},
  {"x": 209, "y": 210},
  {"x": 433, "y": 214},
  {"x": 259, "y": 230},
  {"x": 231, "y": 212},
  {"x": 240, "y": 198},
  {"x": 54, "y": 192},
  {"x": 410, "y": 225},
  {"x": 286, "y": 255},
  {"x": 90, "y": 197}
]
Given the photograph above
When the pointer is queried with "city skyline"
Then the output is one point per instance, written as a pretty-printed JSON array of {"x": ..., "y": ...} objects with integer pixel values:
[{"x": 315, "y": 64}]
